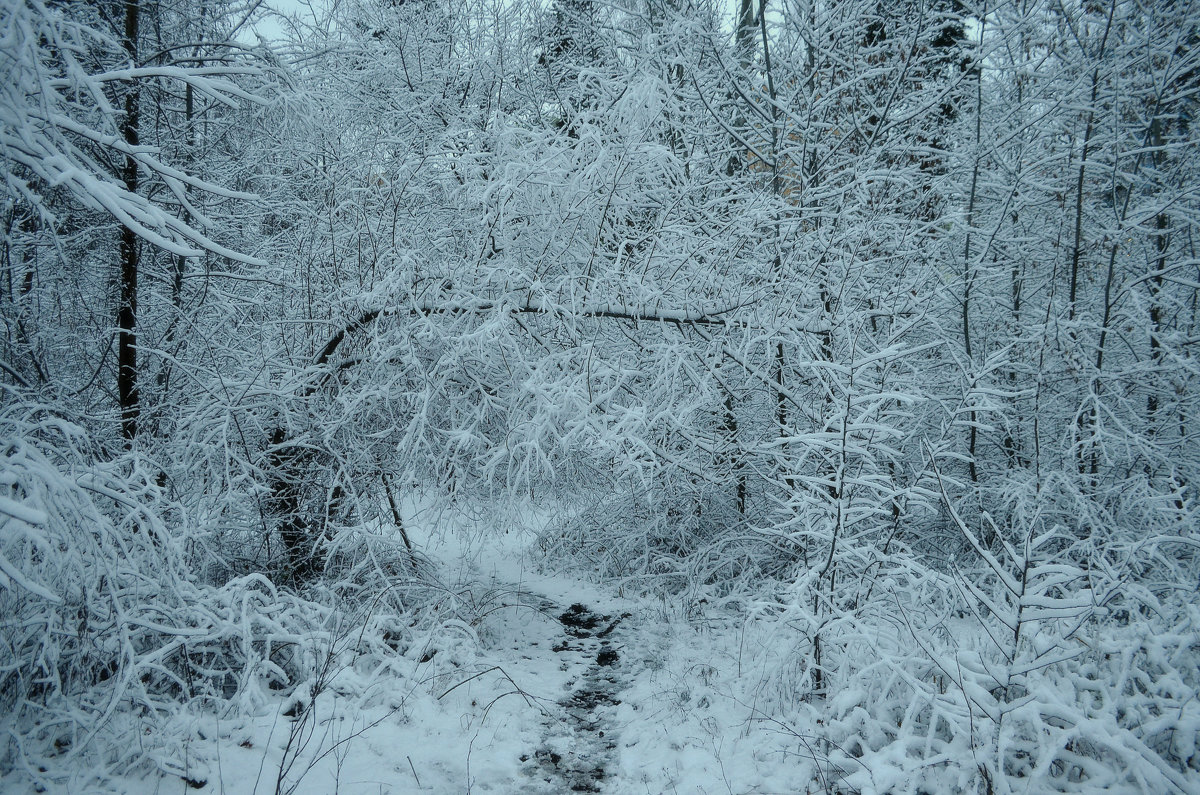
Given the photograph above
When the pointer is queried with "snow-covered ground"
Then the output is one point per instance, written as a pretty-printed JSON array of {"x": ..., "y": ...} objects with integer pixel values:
[
  {"x": 555, "y": 685},
  {"x": 487, "y": 666}
]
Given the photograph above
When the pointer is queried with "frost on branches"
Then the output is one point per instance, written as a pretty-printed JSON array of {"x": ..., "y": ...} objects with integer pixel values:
[{"x": 854, "y": 341}]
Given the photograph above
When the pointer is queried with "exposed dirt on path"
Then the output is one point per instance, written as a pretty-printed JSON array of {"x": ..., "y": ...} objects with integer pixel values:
[{"x": 578, "y": 747}]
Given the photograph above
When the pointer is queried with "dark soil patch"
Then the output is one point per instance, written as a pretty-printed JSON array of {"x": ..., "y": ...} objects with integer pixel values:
[
  {"x": 592, "y": 698},
  {"x": 579, "y": 620},
  {"x": 605, "y": 632},
  {"x": 583, "y": 769},
  {"x": 586, "y": 784}
]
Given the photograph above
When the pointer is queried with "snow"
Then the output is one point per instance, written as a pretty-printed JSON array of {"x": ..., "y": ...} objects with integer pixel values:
[
  {"x": 856, "y": 383},
  {"x": 506, "y": 671},
  {"x": 483, "y": 712}
]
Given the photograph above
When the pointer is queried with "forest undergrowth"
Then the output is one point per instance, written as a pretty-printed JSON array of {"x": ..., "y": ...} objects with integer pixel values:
[
  {"x": 122, "y": 651},
  {"x": 1025, "y": 671},
  {"x": 1031, "y": 663}
]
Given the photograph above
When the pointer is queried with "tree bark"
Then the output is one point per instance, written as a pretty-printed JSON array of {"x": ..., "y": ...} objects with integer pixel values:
[{"x": 127, "y": 366}]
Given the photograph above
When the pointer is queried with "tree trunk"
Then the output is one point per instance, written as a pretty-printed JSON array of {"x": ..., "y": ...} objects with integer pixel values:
[
  {"x": 286, "y": 462},
  {"x": 127, "y": 368}
]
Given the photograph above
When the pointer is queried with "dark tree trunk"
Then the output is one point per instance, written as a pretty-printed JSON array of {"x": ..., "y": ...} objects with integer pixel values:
[
  {"x": 127, "y": 368},
  {"x": 286, "y": 462}
]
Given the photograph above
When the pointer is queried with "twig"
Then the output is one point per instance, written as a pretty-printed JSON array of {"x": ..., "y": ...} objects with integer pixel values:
[{"x": 414, "y": 771}]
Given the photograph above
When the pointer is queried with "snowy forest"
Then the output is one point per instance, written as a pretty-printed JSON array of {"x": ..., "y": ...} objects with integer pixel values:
[{"x": 626, "y": 396}]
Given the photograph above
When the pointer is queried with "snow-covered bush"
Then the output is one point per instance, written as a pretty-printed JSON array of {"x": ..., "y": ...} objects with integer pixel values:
[
  {"x": 110, "y": 640},
  {"x": 669, "y": 541},
  {"x": 1044, "y": 661}
]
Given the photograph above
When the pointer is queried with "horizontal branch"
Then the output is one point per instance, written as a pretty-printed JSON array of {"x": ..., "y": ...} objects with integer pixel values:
[
  {"x": 612, "y": 311},
  {"x": 676, "y": 317}
]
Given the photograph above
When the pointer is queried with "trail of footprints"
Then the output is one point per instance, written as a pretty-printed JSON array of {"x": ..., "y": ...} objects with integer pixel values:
[{"x": 588, "y": 644}]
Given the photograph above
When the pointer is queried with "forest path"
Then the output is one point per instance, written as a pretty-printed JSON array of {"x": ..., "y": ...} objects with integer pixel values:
[
  {"x": 571, "y": 684},
  {"x": 533, "y": 683},
  {"x": 574, "y": 670}
]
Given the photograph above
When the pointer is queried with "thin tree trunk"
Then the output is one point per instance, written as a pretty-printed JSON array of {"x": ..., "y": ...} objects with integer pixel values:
[
  {"x": 1161, "y": 239},
  {"x": 127, "y": 367},
  {"x": 1077, "y": 245},
  {"x": 968, "y": 271},
  {"x": 734, "y": 458}
]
